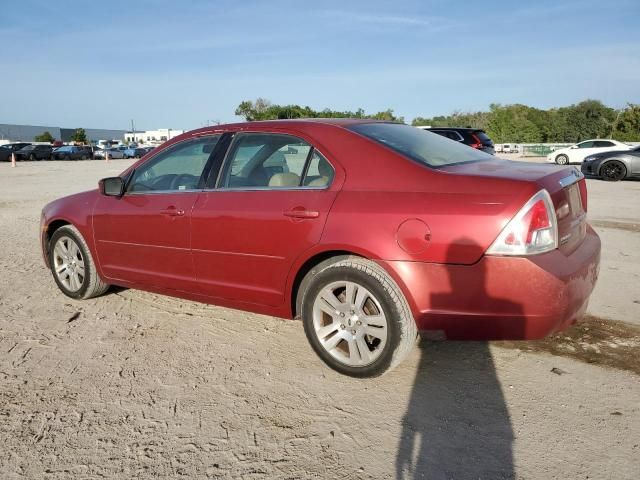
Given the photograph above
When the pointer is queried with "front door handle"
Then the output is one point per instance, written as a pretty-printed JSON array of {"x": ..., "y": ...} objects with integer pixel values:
[
  {"x": 301, "y": 212},
  {"x": 172, "y": 212}
]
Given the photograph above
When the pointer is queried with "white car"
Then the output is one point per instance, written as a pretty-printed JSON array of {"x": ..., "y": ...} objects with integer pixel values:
[
  {"x": 577, "y": 153},
  {"x": 113, "y": 153}
]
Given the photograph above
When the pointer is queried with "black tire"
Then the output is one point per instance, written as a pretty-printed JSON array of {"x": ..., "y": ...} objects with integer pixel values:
[
  {"x": 613, "y": 171},
  {"x": 66, "y": 157},
  {"x": 562, "y": 159},
  {"x": 401, "y": 327},
  {"x": 91, "y": 285},
  {"x": 83, "y": 157},
  {"x": 32, "y": 157}
]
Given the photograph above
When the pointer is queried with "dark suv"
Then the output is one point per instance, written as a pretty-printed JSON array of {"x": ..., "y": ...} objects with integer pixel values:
[
  {"x": 474, "y": 137},
  {"x": 8, "y": 149},
  {"x": 34, "y": 152}
]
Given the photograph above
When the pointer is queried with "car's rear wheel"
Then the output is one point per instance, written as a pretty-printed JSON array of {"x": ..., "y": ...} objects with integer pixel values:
[
  {"x": 32, "y": 157},
  {"x": 356, "y": 317},
  {"x": 613, "y": 171},
  {"x": 83, "y": 157},
  {"x": 562, "y": 159},
  {"x": 72, "y": 265}
]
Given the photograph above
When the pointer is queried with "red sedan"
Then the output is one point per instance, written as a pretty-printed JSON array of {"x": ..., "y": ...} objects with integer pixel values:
[{"x": 368, "y": 231}]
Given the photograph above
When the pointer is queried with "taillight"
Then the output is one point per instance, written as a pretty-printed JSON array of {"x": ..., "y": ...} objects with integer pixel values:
[
  {"x": 533, "y": 230},
  {"x": 477, "y": 142}
]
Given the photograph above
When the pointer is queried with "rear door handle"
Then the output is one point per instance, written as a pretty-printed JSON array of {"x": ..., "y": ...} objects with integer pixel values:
[
  {"x": 301, "y": 213},
  {"x": 172, "y": 212}
]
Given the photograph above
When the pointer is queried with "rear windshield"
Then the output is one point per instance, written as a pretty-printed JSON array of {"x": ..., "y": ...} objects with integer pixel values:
[
  {"x": 482, "y": 136},
  {"x": 420, "y": 145}
]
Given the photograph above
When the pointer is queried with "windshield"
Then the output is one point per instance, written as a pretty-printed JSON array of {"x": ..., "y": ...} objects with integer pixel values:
[{"x": 420, "y": 145}]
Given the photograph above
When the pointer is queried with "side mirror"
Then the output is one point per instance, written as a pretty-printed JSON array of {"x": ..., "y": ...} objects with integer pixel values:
[
  {"x": 574, "y": 146},
  {"x": 111, "y": 187}
]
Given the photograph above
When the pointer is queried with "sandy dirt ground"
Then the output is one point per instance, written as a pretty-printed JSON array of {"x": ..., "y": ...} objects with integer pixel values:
[{"x": 136, "y": 385}]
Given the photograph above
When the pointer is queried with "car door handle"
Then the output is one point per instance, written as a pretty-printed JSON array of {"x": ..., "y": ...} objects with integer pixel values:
[
  {"x": 301, "y": 212},
  {"x": 172, "y": 212}
]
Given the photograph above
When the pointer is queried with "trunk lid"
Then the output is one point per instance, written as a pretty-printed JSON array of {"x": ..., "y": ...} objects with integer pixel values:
[{"x": 566, "y": 185}]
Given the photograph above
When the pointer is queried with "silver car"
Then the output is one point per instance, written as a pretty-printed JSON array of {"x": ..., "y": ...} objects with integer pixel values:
[
  {"x": 613, "y": 166},
  {"x": 113, "y": 153}
]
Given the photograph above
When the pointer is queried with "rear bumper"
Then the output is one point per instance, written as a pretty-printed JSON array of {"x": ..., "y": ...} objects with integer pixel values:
[{"x": 501, "y": 298}]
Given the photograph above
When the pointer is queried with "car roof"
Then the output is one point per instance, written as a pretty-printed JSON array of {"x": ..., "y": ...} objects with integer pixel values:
[
  {"x": 456, "y": 128},
  {"x": 293, "y": 122},
  {"x": 600, "y": 140}
]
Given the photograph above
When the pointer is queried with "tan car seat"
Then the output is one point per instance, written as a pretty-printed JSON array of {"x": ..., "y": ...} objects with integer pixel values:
[{"x": 284, "y": 180}]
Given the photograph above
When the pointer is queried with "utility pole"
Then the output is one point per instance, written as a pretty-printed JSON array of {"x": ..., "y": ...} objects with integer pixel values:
[{"x": 133, "y": 131}]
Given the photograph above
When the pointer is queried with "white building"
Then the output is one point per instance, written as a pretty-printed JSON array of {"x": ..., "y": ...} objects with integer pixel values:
[{"x": 153, "y": 137}]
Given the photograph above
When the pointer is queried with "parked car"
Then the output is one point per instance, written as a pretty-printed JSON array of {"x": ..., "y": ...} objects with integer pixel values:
[
  {"x": 576, "y": 153},
  {"x": 134, "y": 152},
  {"x": 7, "y": 149},
  {"x": 368, "y": 231},
  {"x": 71, "y": 152},
  {"x": 34, "y": 152},
  {"x": 114, "y": 153},
  {"x": 473, "y": 137},
  {"x": 613, "y": 166}
]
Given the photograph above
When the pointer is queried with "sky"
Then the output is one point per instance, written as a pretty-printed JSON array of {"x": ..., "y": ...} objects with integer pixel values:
[{"x": 185, "y": 63}]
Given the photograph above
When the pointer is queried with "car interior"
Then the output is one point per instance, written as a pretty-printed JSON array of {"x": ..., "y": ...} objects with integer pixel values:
[{"x": 254, "y": 161}]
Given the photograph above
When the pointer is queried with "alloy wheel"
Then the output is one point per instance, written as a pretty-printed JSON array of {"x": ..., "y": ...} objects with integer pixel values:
[
  {"x": 68, "y": 263},
  {"x": 350, "y": 323},
  {"x": 613, "y": 171}
]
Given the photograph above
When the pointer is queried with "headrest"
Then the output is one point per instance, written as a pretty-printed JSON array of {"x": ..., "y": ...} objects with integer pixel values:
[{"x": 284, "y": 180}]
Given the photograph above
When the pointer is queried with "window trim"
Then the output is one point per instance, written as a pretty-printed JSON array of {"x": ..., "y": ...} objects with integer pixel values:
[{"x": 226, "y": 163}]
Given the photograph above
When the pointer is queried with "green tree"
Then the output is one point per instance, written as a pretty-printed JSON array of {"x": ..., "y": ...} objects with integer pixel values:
[
  {"x": 626, "y": 126},
  {"x": 263, "y": 109},
  {"x": 513, "y": 123},
  {"x": 79, "y": 136},
  {"x": 44, "y": 137}
]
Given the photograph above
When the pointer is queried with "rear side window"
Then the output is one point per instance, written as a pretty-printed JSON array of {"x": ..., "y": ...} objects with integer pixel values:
[
  {"x": 274, "y": 161},
  {"x": 319, "y": 173},
  {"x": 419, "y": 145},
  {"x": 451, "y": 134},
  {"x": 601, "y": 143}
]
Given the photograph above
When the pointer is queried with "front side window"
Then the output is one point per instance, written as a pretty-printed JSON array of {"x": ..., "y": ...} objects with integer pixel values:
[
  {"x": 263, "y": 160},
  {"x": 419, "y": 145},
  {"x": 178, "y": 168},
  {"x": 588, "y": 144}
]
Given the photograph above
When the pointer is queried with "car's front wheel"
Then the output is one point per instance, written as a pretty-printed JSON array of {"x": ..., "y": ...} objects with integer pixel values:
[
  {"x": 356, "y": 317},
  {"x": 562, "y": 159},
  {"x": 72, "y": 265},
  {"x": 613, "y": 171}
]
